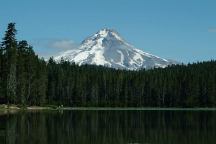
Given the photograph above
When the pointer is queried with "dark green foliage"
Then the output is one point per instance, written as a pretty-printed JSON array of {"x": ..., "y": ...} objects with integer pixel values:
[
  {"x": 2, "y": 79},
  {"x": 175, "y": 86},
  {"x": 28, "y": 80},
  {"x": 9, "y": 50},
  {"x": 22, "y": 74}
]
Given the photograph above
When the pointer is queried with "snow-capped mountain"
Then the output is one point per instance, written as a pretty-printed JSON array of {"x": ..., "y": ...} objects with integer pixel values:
[{"x": 107, "y": 48}]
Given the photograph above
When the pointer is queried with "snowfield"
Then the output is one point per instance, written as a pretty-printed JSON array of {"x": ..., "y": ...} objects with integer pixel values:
[{"x": 108, "y": 48}]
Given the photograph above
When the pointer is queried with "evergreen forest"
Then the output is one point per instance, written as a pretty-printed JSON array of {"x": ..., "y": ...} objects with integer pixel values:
[{"x": 26, "y": 79}]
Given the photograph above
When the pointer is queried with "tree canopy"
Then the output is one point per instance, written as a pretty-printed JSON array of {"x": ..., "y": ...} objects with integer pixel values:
[{"x": 27, "y": 79}]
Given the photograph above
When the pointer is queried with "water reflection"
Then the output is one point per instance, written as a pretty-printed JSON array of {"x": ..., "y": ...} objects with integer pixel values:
[{"x": 109, "y": 127}]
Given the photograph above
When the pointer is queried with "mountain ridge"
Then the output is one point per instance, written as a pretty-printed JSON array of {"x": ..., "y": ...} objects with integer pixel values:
[{"x": 108, "y": 48}]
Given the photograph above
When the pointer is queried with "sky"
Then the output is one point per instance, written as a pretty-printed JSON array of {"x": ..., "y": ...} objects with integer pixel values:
[{"x": 182, "y": 30}]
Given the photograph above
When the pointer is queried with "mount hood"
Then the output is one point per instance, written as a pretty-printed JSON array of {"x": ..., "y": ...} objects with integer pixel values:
[{"x": 108, "y": 48}]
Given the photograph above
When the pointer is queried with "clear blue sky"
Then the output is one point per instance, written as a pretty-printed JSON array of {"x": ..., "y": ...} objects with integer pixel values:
[{"x": 183, "y": 30}]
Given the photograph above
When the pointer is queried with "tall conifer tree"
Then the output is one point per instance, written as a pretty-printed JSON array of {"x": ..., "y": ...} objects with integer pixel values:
[{"x": 9, "y": 45}]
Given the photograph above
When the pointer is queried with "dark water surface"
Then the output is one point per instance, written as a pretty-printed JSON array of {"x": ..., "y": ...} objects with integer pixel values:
[{"x": 109, "y": 127}]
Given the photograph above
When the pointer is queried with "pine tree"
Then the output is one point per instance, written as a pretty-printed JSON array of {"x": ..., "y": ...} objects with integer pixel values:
[
  {"x": 41, "y": 82},
  {"x": 2, "y": 89},
  {"x": 22, "y": 54},
  {"x": 51, "y": 74},
  {"x": 9, "y": 45}
]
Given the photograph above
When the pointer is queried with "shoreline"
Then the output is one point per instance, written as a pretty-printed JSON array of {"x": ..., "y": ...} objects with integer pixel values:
[{"x": 35, "y": 108}]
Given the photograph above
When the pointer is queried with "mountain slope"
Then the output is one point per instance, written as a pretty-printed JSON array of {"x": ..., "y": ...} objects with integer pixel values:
[{"x": 107, "y": 48}]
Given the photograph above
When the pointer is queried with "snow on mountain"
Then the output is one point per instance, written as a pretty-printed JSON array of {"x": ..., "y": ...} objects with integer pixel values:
[{"x": 107, "y": 48}]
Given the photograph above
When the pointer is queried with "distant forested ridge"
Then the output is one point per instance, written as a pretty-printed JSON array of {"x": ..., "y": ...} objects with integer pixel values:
[{"x": 26, "y": 79}]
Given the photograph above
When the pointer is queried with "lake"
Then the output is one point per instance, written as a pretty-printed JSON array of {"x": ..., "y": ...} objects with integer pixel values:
[{"x": 108, "y": 127}]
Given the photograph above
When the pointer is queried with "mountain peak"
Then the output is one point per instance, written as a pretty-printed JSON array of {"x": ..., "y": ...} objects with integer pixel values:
[
  {"x": 105, "y": 34},
  {"x": 108, "y": 48},
  {"x": 106, "y": 31}
]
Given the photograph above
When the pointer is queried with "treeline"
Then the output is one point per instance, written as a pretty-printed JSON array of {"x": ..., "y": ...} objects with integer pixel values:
[
  {"x": 23, "y": 76},
  {"x": 28, "y": 80}
]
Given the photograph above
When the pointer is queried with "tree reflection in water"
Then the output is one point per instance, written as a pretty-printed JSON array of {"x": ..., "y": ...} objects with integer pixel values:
[{"x": 109, "y": 127}]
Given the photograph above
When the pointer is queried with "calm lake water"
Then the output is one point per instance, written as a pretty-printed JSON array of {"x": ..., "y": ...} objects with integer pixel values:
[{"x": 109, "y": 127}]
